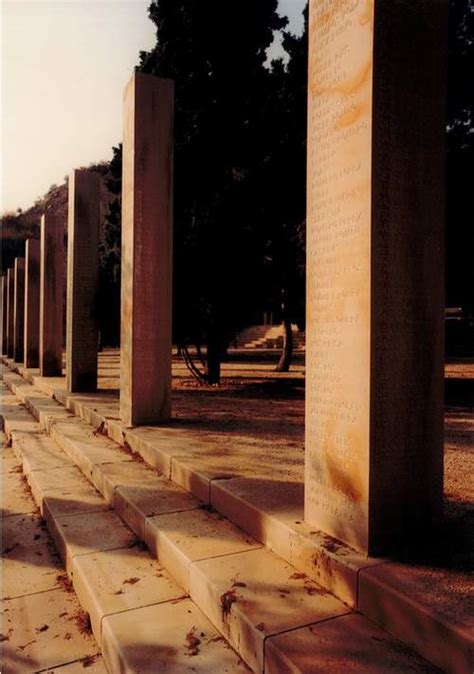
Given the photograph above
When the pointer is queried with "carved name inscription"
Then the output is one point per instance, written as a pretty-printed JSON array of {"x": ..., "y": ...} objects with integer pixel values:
[{"x": 338, "y": 265}]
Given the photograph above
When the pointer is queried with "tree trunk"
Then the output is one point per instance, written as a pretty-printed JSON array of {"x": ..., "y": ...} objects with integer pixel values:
[
  {"x": 287, "y": 350},
  {"x": 214, "y": 355}
]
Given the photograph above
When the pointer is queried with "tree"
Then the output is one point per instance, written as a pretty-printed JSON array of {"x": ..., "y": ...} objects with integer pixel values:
[
  {"x": 282, "y": 185},
  {"x": 110, "y": 255},
  {"x": 215, "y": 52},
  {"x": 460, "y": 144}
]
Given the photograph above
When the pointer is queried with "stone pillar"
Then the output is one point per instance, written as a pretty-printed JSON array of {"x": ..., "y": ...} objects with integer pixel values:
[
  {"x": 82, "y": 281},
  {"x": 145, "y": 390},
  {"x": 19, "y": 310},
  {"x": 32, "y": 302},
  {"x": 10, "y": 306},
  {"x": 375, "y": 303},
  {"x": 3, "y": 320},
  {"x": 51, "y": 295}
]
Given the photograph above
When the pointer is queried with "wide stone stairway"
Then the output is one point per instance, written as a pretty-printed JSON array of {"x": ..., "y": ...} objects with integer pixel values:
[{"x": 174, "y": 582}]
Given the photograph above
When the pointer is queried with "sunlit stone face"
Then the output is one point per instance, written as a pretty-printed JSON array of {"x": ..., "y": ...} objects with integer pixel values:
[
  {"x": 338, "y": 273},
  {"x": 374, "y": 386}
]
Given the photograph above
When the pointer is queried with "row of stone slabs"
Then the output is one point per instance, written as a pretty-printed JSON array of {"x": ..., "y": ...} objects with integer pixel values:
[
  {"x": 111, "y": 573},
  {"x": 43, "y": 626},
  {"x": 395, "y": 596},
  {"x": 278, "y": 619},
  {"x": 402, "y": 599}
]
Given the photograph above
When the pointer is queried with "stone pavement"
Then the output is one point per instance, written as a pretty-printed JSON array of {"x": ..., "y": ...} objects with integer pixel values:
[
  {"x": 189, "y": 541},
  {"x": 108, "y": 583},
  {"x": 44, "y": 628}
]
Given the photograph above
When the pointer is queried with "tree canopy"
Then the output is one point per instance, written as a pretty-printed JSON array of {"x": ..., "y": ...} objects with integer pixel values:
[
  {"x": 460, "y": 165},
  {"x": 231, "y": 140},
  {"x": 240, "y": 172}
]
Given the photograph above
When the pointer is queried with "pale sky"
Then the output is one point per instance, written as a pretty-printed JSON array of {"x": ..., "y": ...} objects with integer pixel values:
[{"x": 64, "y": 66}]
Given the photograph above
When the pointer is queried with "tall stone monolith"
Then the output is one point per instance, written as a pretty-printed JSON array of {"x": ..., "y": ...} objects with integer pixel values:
[
  {"x": 147, "y": 189},
  {"x": 51, "y": 295},
  {"x": 10, "y": 307},
  {"x": 19, "y": 310},
  {"x": 32, "y": 302},
  {"x": 4, "y": 315},
  {"x": 374, "y": 379},
  {"x": 82, "y": 281}
]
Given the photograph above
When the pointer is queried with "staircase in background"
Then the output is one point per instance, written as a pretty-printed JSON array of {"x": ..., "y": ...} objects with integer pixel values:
[{"x": 268, "y": 337}]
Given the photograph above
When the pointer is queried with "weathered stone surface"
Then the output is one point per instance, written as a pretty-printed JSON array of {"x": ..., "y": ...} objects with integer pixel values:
[
  {"x": 51, "y": 295},
  {"x": 82, "y": 281},
  {"x": 145, "y": 391},
  {"x": 92, "y": 665},
  {"x": 348, "y": 644},
  {"x": 30, "y": 569},
  {"x": 195, "y": 473},
  {"x": 133, "y": 474},
  {"x": 374, "y": 352},
  {"x": 120, "y": 580},
  {"x": 92, "y": 532},
  {"x": 32, "y": 302},
  {"x": 439, "y": 599},
  {"x": 16, "y": 497},
  {"x": 16, "y": 418},
  {"x": 10, "y": 305},
  {"x": 47, "y": 411},
  {"x": 43, "y": 625},
  {"x": 75, "y": 500},
  {"x": 155, "y": 495},
  {"x": 181, "y": 538},
  {"x": 19, "y": 310},
  {"x": 8, "y": 461},
  {"x": 26, "y": 530},
  {"x": 57, "y": 478},
  {"x": 252, "y": 595},
  {"x": 273, "y": 514},
  {"x": 79, "y": 443},
  {"x": 275, "y": 511},
  {"x": 41, "y": 632},
  {"x": 39, "y": 452},
  {"x": 162, "y": 641},
  {"x": 4, "y": 314}
]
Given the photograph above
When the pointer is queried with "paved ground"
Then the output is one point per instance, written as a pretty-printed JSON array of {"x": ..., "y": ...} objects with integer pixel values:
[
  {"x": 255, "y": 419},
  {"x": 212, "y": 577},
  {"x": 257, "y": 407},
  {"x": 254, "y": 423},
  {"x": 43, "y": 626}
]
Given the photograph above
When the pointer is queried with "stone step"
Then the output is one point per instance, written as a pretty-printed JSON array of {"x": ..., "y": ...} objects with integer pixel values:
[
  {"x": 141, "y": 618},
  {"x": 412, "y": 616},
  {"x": 275, "y": 518},
  {"x": 268, "y": 336},
  {"x": 238, "y": 499},
  {"x": 42, "y": 620},
  {"x": 252, "y": 504},
  {"x": 179, "y": 531},
  {"x": 247, "y": 592}
]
